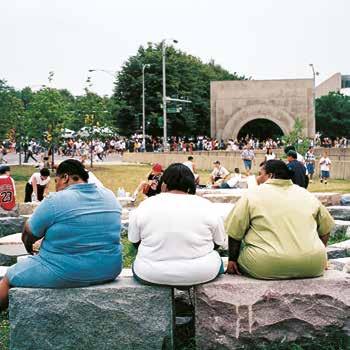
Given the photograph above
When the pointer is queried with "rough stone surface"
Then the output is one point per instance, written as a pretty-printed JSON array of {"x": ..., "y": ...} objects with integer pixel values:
[
  {"x": 10, "y": 225},
  {"x": 339, "y": 250},
  {"x": 328, "y": 198},
  {"x": 340, "y": 212},
  {"x": 222, "y": 198},
  {"x": 6, "y": 213},
  {"x": 239, "y": 312},
  {"x": 338, "y": 264},
  {"x": 27, "y": 208},
  {"x": 345, "y": 199},
  {"x": 341, "y": 227},
  {"x": 119, "y": 315}
]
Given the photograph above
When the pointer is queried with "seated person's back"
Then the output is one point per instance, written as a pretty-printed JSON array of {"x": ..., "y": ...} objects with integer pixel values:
[
  {"x": 281, "y": 225},
  {"x": 81, "y": 229},
  {"x": 177, "y": 232}
]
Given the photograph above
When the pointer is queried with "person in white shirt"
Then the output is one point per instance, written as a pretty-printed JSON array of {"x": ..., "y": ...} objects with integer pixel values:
[
  {"x": 176, "y": 233},
  {"x": 325, "y": 166},
  {"x": 270, "y": 155},
  {"x": 219, "y": 174},
  {"x": 38, "y": 185},
  {"x": 190, "y": 164},
  {"x": 233, "y": 181}
]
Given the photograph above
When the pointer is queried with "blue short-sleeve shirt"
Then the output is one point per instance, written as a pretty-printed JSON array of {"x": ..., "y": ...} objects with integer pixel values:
[{"x": 81, "y": 230}]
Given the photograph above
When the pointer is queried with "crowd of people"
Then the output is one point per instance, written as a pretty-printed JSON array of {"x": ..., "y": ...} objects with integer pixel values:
[{"x": 100, "y": 149}]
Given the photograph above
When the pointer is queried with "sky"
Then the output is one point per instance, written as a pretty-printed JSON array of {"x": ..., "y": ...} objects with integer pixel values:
[{"x": 264, "y": 39}]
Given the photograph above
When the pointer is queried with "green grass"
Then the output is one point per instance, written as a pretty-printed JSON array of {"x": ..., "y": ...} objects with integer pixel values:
[
  {"x": 129, "y": 176},
  {"x": 339, "y": 236}
]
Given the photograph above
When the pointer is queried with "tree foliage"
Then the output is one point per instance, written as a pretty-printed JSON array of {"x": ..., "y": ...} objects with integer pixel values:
[
  {"x": 297, "y": 137},
  {"x": 333, "y": 115},
  {"x": 187, "y": 77}
]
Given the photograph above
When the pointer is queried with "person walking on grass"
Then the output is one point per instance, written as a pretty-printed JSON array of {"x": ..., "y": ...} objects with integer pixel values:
[
  {"x": 310, "y": 160},
  {"x": 325, "y": 166}
]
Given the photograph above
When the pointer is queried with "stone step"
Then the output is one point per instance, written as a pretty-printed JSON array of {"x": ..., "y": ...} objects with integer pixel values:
[
  {"x": 3, "y": 270},
  {"x": 328, "y": 198},
  {"x": 10, "y": 225},
  {"x": 339, "y": 264},
  {"x": 341, "y": 227},
  {"x": 340, "y": 212},
  {"x": 119, "y": 315},
  {"x": 345, "y": 199},
  {"x": 235, "y": 312},
  {"x": 339, "y": 250},
  {"x": 27, "y": 208},
  {"x": 12, "y": 245}
]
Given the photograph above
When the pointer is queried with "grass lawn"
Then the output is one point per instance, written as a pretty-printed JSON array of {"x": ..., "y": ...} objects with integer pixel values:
[{"x": 129, "y": 176}]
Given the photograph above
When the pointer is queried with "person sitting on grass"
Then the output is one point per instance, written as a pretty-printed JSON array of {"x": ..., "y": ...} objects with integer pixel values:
[
  {"x": 233, "y": 181},
  {"x": 38, "y": 186},
  {"x": 176, "y": 234},
  {"x": 80, "y": 227},
  {"x": 284, "y": 228},
  {"x": 151, "y": 187},
  {"x": 219, "y": 174},
  {"x": 190, "y": 164}
]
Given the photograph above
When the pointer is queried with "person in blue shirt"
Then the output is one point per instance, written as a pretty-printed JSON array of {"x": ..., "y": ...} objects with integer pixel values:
[{"x": 80, "y": 227}]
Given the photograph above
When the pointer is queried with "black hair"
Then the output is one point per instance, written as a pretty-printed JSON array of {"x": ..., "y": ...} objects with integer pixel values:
[
  {"x": 3, "y": 169},
  {"x": 45, "y": 172},
  {"x": 190, "y": 158},
  {"x": 278, "y": 169},
  {"x": 237, "y": 170},
  {"x": 289, "y": 148},
  {"x": 74, "y": 168},
  {"x": 179, "y": 177},
  {"x": 292, "y": 154}
]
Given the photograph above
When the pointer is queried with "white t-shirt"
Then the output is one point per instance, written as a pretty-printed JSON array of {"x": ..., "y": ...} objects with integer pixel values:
[
  {"x": 271, "y": 156},
  {"x": 189, "y": 165},
  {"x": 220, "y": 172},
  {"x": 325, "y": 163},
  {"x": 177, "y": 234},
  {"x": 39, "y": 180},
  {"x": 94, "y": 180},
  {"x": 233, "y": 181}
]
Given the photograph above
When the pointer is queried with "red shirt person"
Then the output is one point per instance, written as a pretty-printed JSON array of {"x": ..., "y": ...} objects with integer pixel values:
[{"x": 7, "y": 189}]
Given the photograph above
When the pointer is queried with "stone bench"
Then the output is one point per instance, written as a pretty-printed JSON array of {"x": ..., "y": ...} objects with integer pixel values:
[
  {"x": 339, "y": 250},
  {"x": 340, "y": 212},
  {"x": 119, "y": 315},
  {"x": 235, "y": 312}
]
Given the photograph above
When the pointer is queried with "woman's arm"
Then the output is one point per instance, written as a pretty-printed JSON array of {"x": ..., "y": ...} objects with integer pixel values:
[
  {"x": 28, "y": 238},
  {"x": 35, "y": 187}
]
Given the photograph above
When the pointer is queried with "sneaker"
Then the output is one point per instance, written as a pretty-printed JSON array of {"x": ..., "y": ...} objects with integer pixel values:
[
  {"x": 325, "y": 182},
  {"x": 321, "y": 180}
]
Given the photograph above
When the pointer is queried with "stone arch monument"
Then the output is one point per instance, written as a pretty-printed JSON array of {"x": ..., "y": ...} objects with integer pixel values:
[{"x": 235, "y": 103}]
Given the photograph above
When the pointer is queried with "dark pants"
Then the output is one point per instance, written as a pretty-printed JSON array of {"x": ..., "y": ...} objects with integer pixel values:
[
  {"x": 29, "y": 192},
  {"x": 29, "y": 155}
]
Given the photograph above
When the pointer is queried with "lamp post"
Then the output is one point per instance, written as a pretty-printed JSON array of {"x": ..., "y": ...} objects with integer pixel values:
[
  {"x": 144, "y": 66},
  {"x": 165, "y": 136},
  {"x": 314, "y": 74}
]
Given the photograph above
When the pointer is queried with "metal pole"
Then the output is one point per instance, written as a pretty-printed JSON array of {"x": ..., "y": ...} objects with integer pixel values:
[
  {"x": 143, "y": 108},
  {"x": 164, "y": 100}
]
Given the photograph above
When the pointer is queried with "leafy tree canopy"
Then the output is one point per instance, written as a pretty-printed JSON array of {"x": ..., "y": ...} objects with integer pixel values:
[
  {"x": 333, "y": 115},
  {"x": 187, "y": 77}
]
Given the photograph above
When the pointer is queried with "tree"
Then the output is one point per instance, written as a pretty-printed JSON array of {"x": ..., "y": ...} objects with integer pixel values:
[
  {"x": 333, "y": 115},
  {"x": 46, "y": 116},
  {"x": 187, "y": 78},
  {"x": 11, "y": 108},
  {"x": 296, "y": 138}
]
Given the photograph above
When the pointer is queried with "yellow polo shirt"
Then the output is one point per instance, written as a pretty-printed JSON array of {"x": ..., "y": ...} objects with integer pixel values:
[{"x": 280, "y": 225}]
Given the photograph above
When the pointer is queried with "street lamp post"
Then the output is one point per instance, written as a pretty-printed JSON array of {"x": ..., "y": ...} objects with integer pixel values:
[
  {"x": 165, "y": 136},
  {"x": 144, "y": 66},
  {"x": 314, "y": 74}
]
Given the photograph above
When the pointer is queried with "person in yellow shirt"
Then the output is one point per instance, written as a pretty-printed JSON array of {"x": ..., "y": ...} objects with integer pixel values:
[{"x": 283, "y": 227}]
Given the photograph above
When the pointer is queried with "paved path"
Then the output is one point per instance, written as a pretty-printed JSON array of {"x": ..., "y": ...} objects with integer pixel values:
[{"x": 114, "y": 159}]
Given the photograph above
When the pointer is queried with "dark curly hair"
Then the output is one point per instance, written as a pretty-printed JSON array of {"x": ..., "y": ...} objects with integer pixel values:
[{"x": 179, "y": 177}]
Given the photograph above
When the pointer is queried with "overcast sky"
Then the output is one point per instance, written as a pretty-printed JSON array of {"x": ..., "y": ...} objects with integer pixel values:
[{"x": 265, "y": 39}]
